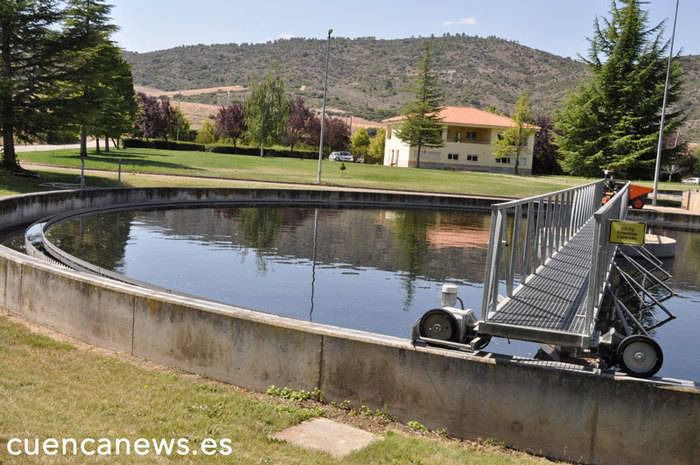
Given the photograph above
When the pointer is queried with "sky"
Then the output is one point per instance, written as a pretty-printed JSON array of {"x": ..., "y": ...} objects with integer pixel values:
[{"x": 556, "y": 26}]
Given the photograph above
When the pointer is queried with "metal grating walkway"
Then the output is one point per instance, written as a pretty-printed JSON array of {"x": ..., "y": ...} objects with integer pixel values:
[{"x": 549, "y": 306}]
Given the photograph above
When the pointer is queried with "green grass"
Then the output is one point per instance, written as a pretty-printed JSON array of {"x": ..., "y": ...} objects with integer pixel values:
[
  {"x": 53, "y": 389},
  {"x": 304, "y": 171},
  {"x": 11, "y": 184}
]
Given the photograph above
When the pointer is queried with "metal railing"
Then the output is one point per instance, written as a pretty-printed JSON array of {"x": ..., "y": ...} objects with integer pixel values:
[
  {"x": 603, "y": 252},
  {"x": 525, "y": 233}
]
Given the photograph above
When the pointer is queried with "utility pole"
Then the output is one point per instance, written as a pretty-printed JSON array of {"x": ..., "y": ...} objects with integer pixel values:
[
  {"x": 323, "y": 110},
  {"x": 657, "y": 169}
]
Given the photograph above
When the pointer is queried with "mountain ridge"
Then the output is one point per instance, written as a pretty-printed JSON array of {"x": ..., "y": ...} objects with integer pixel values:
[{"x": 370, "y": 77}]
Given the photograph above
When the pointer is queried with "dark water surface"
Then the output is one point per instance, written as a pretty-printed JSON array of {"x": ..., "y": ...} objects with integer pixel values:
[{"x": 367, "y": 269}]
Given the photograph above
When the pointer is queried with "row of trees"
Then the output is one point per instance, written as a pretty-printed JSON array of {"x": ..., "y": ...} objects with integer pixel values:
[
  {"x": 61, "y": 71},
  {"x": 266, "y": 118}
]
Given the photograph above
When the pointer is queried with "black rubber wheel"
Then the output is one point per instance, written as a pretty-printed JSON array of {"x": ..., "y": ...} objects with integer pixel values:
[
  {"x": 438, "y": 324},
  {"x": 640, "y": 356}
]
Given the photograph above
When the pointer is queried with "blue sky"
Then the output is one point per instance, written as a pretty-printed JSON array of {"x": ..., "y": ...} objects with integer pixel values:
[{"x": 557, "y": 26}]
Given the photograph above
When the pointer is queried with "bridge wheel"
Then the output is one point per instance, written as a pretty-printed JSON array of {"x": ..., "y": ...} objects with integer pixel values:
[
  {"x": 640, "y": 356},
  {"x": 438, "y": 324}
]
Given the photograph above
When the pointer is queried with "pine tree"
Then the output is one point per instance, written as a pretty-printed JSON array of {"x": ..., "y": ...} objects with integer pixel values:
[
  {"x": 613, "y": 121},
  {"x": 87, "y": 43},
  {"x": 514, "y": 139},
  {"x": 28, "y": 42},
  {"x": 266, "y": 111},
  {"x": 422, "y": 125}
]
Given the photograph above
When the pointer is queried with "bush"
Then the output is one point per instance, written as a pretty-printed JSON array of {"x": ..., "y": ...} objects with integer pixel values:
[
  {"x": 255, "y": 151},
  {"x": 161, "y": 144}
]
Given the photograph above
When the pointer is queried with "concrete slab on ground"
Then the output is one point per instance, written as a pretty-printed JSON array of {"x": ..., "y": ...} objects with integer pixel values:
[{"x": 327, "y": 436}]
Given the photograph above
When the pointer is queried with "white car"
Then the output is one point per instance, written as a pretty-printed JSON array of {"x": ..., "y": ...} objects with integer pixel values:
[
  {"x": 341, "y": 156},
  {"x": 691, "y": 181}
]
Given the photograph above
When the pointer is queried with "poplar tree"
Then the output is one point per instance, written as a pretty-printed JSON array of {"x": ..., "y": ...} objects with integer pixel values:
[
  {"x": 514, "y": 139},
  {"x": 266, "y": 111},
  {"x": 613, "y": 120},
  {"x": 28, "y": 50},
  {"x": 422, "y": 125}
]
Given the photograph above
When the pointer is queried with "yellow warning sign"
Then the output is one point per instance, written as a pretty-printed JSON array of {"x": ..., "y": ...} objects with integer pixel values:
[{"x": 627, "y": 232}]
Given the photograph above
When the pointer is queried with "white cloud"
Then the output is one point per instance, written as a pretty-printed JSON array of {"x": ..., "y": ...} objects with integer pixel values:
[{"x": 468, "y": 21}]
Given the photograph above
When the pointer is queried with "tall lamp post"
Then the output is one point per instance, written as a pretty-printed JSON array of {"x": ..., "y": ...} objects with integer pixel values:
[
  {"x": 323, "y": 110},
  {"x": 657, "y": 169}
]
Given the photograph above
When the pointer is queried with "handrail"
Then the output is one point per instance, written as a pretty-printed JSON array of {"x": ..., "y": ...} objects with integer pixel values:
[
  {"x": 541, "y": 226},
  {"x": 510, "y": 203},
  {"x": 603, "y": 252}
]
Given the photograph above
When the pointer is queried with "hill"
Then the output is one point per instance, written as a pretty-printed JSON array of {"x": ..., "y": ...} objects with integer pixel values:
[{"x": 369, "y": 77}]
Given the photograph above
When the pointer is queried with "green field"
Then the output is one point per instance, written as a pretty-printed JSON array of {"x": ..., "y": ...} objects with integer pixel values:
[
  {"x": 289, "y": 170},
  {"x": 304, "y": 171},
  {"x": 55, "y": 389}
]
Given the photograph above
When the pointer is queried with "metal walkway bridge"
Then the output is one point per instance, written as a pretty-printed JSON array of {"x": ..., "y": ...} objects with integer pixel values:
[{"x": 554, "y": 255}]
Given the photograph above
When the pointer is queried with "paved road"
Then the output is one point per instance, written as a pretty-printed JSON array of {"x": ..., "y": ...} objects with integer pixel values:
[{"x": 41, "y": 147}]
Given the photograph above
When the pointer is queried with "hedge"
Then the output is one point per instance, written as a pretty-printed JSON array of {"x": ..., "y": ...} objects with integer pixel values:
[
  {"x": 255, "y": 151},
  {"x": 162, "y": 144}
]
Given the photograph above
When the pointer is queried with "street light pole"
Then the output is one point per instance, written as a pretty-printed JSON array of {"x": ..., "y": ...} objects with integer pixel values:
[
  {"x": 657, "y": 169},
  {"x": 323, "y": 110}
]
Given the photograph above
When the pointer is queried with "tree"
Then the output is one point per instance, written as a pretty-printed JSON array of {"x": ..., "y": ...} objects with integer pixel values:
[
  {"x": 613, "y": 120},
  {"x": 376, "y": 147},
  {"x": 360, "y": 142},
  {"x": 422, "y": 123},
  {"x": 300, "y": 124},
  {"x": 179, "y": 127},
  {"x": 28, "y": 70},
  {"x": 266, "y": 111},
  {"x": 337, "y": 134},
  {"x": 230, "y": 122},
  {"x": 117, "y": 103},
  {"x": 86, "y": 45},
  {"x": 154, "y": 118},
  {"x": 544, "y": 153},
  {"x": 514, "y": 139},
  {"x": 206, "y": 134}
]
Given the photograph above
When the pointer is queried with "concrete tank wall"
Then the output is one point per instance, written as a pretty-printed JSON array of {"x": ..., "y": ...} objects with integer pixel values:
[{"x": 562, "y": 414}]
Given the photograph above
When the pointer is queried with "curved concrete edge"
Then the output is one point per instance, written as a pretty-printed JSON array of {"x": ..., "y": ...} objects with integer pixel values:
[{"x": 567, "y": 415}]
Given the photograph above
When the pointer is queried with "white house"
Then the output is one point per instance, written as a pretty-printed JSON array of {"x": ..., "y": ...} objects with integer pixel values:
[{"x": 469, "y": 137}]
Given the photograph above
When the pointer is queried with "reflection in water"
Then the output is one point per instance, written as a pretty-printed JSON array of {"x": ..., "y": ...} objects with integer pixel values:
[
  {"x": 313, "y": 266},
  {"x": 374, "y": 270},
  {"x": 678, "y": 338}
]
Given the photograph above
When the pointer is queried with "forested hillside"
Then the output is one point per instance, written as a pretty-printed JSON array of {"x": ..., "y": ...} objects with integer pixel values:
[{"x": 369, "y": 77}]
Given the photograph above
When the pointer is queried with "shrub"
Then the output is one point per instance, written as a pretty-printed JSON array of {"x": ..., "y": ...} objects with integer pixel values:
[
  {"x": 162, "y": 145},
  {"x": 255, "y": 151}
]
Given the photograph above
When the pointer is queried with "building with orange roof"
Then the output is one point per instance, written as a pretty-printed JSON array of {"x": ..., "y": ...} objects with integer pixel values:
[{"x": 469, "y": 137}]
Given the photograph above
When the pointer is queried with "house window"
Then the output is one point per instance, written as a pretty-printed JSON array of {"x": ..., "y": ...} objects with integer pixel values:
[
  {"x": 472, "y": 157},
  {"x": 504, "y": 160},
  {"x": 470, "y": 135},
  {"x": 453, "y": 156}
]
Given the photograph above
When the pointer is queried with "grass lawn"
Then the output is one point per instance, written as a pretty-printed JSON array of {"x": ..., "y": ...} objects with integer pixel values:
[
  {"x": 51, "y": 388},
  {"x": 304, "y": 171}
]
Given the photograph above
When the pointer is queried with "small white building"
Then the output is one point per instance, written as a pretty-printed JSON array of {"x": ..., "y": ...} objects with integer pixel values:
[{"x": 469, "y": 137}]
